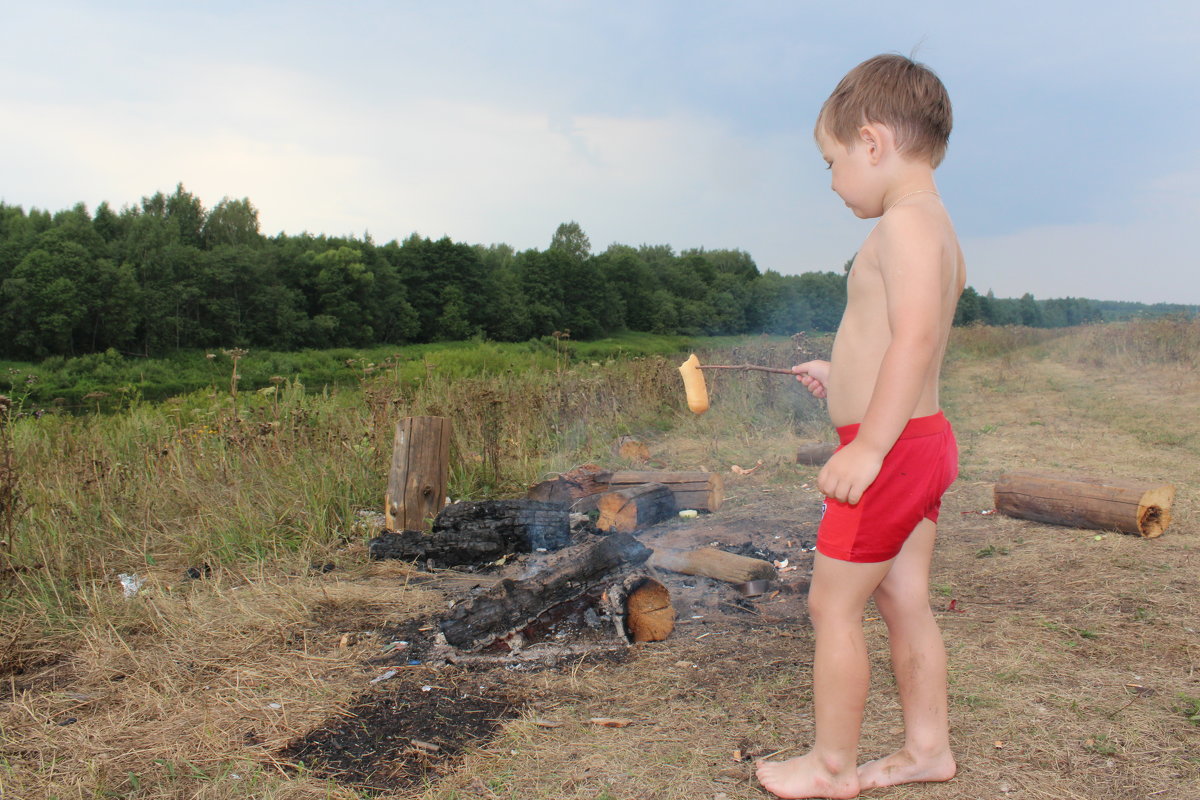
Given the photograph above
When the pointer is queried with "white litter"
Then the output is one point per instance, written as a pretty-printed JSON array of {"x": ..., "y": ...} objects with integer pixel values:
[
  {"x": 131, "y": 584},
  {"x": 391, "y": 673}
]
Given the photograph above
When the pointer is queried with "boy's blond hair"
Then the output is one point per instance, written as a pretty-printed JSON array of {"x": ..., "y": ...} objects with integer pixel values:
[{"x": 897, "y": 92}]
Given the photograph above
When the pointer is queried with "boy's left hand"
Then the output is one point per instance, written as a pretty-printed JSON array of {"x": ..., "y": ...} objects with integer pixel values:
[{"x": 849, "y": 473}]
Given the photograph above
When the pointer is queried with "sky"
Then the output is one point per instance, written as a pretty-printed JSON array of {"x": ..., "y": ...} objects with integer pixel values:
[{"x": 1073, "y": 168}]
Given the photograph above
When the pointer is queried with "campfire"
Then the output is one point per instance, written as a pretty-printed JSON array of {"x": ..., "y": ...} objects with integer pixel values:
[{"x": 567, "y": 582}]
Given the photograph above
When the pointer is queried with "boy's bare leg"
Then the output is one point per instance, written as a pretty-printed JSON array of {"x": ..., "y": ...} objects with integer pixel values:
[
  {"x": 919, "y": 662},
  {"x": 841, "y": 675}
]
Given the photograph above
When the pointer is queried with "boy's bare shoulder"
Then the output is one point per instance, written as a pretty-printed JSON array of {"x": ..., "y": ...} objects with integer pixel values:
[{"x": 915, "y": 237}]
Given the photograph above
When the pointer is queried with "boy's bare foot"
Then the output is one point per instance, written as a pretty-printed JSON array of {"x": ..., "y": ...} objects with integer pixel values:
[
  {"x": 902, "y": 767},
  {"x": 805, "y": 776}
]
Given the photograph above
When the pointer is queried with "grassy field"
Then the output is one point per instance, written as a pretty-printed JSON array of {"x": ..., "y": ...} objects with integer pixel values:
[
  {"x": 1072, "y": 652},
  {"x": 112, "y": 382}
]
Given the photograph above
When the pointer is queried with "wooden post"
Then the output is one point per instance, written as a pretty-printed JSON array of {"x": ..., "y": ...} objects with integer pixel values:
[
  {"x": 416, "y": 488},
  {"x": 1084, "y": 501}
]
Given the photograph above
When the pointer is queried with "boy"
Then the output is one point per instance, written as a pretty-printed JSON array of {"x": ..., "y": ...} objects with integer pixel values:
[{"x": 882, "y": 132}]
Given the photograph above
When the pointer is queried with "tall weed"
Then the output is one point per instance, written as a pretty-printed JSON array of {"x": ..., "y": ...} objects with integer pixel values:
[{"x": 1167, "y": 341}]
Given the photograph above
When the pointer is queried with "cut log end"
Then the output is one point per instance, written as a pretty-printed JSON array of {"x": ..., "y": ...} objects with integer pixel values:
[
  {"x": 641, "y": 609},
  {"x": 651, "y": 615}
]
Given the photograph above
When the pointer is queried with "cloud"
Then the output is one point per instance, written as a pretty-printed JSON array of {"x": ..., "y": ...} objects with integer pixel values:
[{"x": 1143, "y": 261}]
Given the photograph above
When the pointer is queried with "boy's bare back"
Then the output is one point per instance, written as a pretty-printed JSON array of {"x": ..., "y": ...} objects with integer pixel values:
[{"x": 906, "y": 277}]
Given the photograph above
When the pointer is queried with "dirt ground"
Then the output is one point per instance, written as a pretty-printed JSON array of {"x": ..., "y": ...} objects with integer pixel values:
[{"x": 1074, "y": 654}]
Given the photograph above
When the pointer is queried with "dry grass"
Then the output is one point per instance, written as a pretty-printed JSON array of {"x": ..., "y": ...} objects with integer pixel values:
[
  {"x": 189, "y": 690},
  {"x": 1073, "y": 653}
]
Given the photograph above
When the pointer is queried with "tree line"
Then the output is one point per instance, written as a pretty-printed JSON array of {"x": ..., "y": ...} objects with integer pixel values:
[{"x": 167, "y": 274}]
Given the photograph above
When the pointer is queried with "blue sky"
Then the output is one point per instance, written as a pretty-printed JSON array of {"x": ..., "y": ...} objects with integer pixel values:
[{"x": 1073, "y": 168}]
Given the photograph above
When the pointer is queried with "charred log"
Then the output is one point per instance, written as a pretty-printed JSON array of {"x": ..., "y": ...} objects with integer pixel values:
[
  {"x": 479, "y": 532},
  {"x": 513, "y": 604}
]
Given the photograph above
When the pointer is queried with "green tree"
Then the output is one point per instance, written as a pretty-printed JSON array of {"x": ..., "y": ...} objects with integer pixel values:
[
  {"x": 41, "y": 300},
  {"x": 186, "y": 214},
  {"x": 570, "y": 239},
  {"x": 343, "y": 287},
  {"x": 454, "y": 323},
  {"x": 625, "y": 272},
  {"x": 542, "y": 289},
  {"x": 231, "y": 222},
  {"x": 969, "y": 309},
  {"x": 825, "y": 294},
  {"x": 1030, "y": 312}
]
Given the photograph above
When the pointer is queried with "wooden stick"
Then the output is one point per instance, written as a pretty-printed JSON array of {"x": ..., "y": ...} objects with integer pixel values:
[{"x": 746, "y": 366}]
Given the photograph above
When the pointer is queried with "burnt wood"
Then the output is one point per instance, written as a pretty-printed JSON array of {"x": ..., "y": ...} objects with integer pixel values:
[
  {"x": 479, "y": 532},
  {"x": 512, "y": 604}
]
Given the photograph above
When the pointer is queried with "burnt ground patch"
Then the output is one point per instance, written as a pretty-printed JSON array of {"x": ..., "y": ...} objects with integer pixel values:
[{"x": 411, "y": 730}]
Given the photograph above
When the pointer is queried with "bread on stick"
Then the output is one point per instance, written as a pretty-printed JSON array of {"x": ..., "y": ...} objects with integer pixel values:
[{"x": 693, "y": 385}]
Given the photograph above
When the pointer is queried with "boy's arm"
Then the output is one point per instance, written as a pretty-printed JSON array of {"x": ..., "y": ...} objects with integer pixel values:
[{"x": 911, "y": 263}]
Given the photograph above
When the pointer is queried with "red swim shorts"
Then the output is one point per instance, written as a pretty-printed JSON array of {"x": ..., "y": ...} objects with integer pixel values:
[{"x": 916, "y": 473}]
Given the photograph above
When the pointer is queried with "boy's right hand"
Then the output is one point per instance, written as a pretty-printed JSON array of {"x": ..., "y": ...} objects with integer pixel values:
[{"x": 814, "y": 375}]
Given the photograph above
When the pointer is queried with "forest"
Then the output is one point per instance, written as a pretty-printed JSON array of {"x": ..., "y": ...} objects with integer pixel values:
[{"x": 168, "y": 274}]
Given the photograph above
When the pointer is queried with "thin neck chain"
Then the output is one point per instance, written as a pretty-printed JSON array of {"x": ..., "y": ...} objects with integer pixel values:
[{"x": 910, "y": 194}]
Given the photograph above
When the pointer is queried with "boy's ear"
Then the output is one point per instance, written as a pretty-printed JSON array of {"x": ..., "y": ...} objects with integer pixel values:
[{"x": 875, "y": 138}]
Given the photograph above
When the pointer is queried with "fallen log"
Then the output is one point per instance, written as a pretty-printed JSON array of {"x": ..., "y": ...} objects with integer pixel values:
[
  {"x": 635, "y": 507},
  {"x": 1085, "y": 501},
  {"x": 577, "y": 489},
  {"x": 511, "y": 605},
  {"x": 479, "y": 532},
  {"x": 712, "y": 562},
  {"x": 416, "y": 488},
  {"x": 703, "y": 491},
  {"x": 815, "y": 453}
]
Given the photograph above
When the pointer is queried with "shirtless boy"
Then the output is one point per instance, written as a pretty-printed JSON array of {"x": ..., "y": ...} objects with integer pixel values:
[{"x": 883, "y": 131}]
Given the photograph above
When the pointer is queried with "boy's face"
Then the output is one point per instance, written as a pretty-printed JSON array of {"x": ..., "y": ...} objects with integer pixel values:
[{"x": 854, "y": 178}]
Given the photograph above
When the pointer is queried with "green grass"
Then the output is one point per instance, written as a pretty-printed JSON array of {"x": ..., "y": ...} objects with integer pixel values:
[{"x": 110, "y": 381}]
